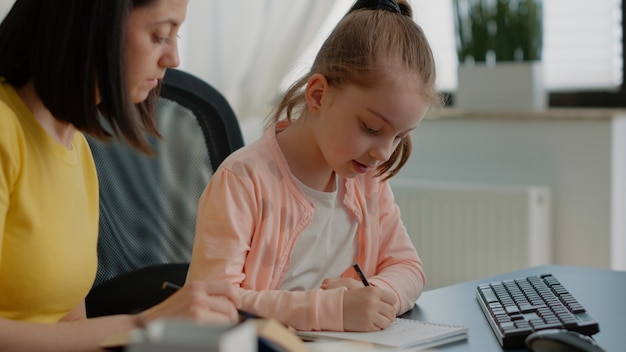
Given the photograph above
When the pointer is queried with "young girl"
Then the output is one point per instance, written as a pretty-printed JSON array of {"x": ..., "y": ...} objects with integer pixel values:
[
  {"x": 61, "y": 64},
  {"x": 284, "y": 218}
]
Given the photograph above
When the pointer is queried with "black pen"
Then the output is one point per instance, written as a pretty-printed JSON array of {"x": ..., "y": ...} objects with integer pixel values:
[{"x": 357, "y": 268}]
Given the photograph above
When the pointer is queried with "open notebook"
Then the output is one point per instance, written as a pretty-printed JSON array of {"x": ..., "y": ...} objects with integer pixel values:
[{"x": 401, "y": 334}]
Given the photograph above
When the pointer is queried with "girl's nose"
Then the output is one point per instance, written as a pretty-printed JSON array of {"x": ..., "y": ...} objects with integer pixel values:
[{"x": 382, "y": 151}]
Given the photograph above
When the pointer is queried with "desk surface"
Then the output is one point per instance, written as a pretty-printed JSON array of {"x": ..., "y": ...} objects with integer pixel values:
[{"x": 601, "y": 292}]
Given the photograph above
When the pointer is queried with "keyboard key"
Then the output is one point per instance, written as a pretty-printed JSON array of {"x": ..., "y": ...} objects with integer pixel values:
[
  {"x": 512, "y": 309},
  {"x": 489, "y": 295}
]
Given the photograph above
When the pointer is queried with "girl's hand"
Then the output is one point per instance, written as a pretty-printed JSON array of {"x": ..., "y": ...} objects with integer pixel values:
[
  {"x": 336, "y": 282},
  {"x": 202, "y": 301},
  {"x": 368, "y": 309}
]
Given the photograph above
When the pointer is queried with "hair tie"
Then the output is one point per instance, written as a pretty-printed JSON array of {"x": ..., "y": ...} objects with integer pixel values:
[{"x": 388, "y": 5}]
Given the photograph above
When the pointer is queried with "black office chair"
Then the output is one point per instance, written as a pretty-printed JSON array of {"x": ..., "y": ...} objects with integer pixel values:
[{"x": 148, "y": 204}]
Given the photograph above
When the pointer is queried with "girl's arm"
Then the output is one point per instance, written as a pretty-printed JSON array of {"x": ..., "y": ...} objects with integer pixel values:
[
  {"x": 203, "y": 302},
  {"x": 390, "y": 260},
  {"x": 397, "y": 267}
]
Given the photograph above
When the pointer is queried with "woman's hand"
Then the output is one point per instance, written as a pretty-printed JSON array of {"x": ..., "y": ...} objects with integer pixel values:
[
  {"x": 368, "y": 309},
  {"x": 202, "y": 301}
]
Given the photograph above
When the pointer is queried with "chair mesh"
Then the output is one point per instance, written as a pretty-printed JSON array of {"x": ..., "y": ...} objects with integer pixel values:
[{"x": 148, "y": 205}]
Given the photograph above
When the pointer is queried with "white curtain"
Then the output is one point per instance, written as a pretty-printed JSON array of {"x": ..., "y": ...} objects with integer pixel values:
[
  {"x": 245, "y": 48},
  {"x": 5, "y": 6}
]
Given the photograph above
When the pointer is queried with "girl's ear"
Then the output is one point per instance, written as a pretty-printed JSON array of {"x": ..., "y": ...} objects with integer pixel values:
[{"x": 316, "y": 87}]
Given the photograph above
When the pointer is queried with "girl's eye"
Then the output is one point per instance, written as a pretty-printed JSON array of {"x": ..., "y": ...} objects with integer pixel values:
[{"x": 369, "y": 130}]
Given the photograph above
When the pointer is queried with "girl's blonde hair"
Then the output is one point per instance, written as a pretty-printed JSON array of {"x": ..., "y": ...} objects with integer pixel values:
[{"x": 359, "y": 51}]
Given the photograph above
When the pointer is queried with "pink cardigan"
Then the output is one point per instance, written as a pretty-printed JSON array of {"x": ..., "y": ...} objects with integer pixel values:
[{"x": 251, "y": 214}]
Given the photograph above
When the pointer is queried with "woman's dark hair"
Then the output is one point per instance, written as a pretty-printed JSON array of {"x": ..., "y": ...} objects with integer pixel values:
[
  {"x": 371, "y": 37},
  {"x": 68, "y": 48}
]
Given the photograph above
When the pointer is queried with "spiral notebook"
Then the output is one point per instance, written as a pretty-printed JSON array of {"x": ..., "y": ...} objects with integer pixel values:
[{"x": 401, "y": 334}]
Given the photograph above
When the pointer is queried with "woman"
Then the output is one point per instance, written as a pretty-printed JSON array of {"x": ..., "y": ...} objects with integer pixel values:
[{"x": 67, "y": 68}]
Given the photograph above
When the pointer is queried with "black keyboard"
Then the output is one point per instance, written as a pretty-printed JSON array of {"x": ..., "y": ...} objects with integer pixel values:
[{"x": 516, "y": 308}]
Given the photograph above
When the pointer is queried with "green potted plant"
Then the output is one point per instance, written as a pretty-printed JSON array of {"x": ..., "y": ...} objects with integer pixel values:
[
  {"x": 504, "y": 39},
  {"x": 499, "y": 30}
]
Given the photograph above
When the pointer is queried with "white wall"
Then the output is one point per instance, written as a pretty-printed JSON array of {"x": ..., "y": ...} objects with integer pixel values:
[{"x": 575, "y": 157}]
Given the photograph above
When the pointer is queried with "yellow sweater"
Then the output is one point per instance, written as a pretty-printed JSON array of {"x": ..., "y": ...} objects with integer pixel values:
[{"x": 48, "y": 217}]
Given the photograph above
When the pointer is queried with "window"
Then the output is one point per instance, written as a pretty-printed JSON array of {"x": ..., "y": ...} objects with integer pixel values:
[{"x": 583, "y": 44}]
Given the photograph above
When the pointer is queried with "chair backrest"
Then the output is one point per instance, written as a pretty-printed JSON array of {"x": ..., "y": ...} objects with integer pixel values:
[{"x": 148, "y": 204}]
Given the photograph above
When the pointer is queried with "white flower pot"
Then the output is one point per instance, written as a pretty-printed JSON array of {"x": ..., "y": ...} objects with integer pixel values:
[{"x": 505, "y": 86}]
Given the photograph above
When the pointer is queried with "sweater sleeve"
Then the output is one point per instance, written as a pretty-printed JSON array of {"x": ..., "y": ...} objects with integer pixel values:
[
  {"x": 398, "y": 266},
  {"x": 303, "y": 310},
  {"x": 233, "y": 244},
  {"x": 223, "y": 230}
]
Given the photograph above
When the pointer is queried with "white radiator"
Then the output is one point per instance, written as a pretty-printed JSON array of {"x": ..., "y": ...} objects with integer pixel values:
[{"x": 465, "y": 231}]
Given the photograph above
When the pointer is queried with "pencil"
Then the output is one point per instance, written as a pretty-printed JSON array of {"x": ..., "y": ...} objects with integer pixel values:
[
  {"x": 170, "y": 286},
  {"x": 357, "y": 268}
]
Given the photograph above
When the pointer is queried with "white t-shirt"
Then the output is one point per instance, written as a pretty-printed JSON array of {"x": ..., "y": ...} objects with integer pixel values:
[{"x": 326, "y": 247}]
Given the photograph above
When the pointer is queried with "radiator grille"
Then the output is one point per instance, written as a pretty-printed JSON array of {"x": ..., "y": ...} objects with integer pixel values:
[{"x": 466, "y": 231}]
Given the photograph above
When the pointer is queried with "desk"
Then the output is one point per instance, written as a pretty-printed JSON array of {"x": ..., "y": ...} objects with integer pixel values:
[{"x": 602, "y": 292}]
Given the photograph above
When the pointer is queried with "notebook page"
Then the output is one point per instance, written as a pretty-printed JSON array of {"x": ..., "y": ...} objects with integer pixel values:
[{"x": 401, "y": 333}]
